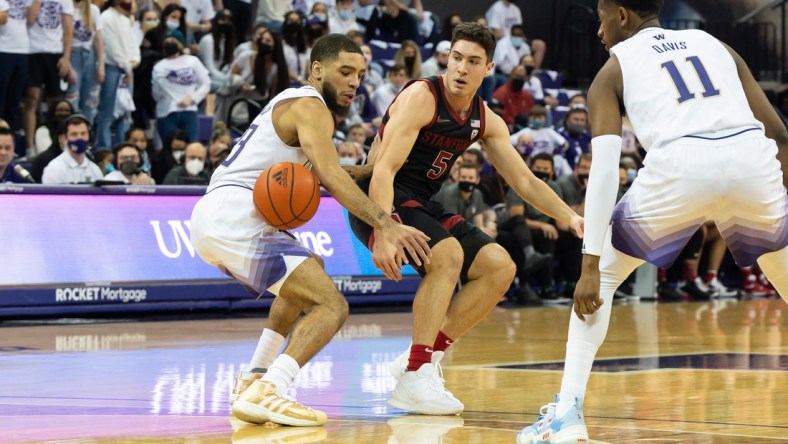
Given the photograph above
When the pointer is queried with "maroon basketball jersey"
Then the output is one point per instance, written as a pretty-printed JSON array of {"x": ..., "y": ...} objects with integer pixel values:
[{"x": 439, "y": 144}]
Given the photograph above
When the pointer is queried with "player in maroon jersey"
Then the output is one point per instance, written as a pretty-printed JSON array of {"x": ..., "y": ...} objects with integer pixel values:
[{"x": 426, "y": 128}]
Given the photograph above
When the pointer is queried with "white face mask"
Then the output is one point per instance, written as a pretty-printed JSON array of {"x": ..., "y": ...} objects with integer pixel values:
[
  {"x": 347, "y": 161},
  {"x": 178, "y": 156},
  {"x": 194, "y": 166}
]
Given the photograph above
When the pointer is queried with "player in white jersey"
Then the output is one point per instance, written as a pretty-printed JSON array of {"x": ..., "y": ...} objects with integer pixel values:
[
  {"x": 297, "y": 125},
  {"x": 717, "y": 152}
]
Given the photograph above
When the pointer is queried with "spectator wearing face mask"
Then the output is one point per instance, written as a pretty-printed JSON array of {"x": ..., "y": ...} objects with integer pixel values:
[
  {"x": 147, "y": 19},
  {"x": 216, "y": 49},
  {"x": 350, "y": 153},
  {"x": 410, "y": 56},
  {"x": 221, "y": 145},
  {"x": 509, "y": 50},
  {"x": 534, "y": 84},
  {"x": 573, "y": 192},
  {"x": 128, "y": 163},
  {"x": 170, "y": 155},
  {"x": 575, "y": 131},
  {"x": 437, "y": 64},
  {"x": 383, "y": 96},
  {"x": 464, "y": 198},
  {"x": 543, "y": 229},
  {"x": 515, "y": 99},
  {"x": 192, "y": 172},
  {"x": 180, "y": 83},
  {"x": 105, "y": 160},
  {"x": 543, "y": 139},
  {"x": 72, "y": 165},
  {"x": 296, "y": 52},
  {"x": 342, "y": 19}
]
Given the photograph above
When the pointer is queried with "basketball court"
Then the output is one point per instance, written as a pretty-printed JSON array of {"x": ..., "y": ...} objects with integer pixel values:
[{"x": 712, "y": 372}]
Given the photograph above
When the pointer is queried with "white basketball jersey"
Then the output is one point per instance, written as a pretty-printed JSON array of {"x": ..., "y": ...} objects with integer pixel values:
[
  {"x": 681, "y": 83},
  {"x": 260, "y": 146}
]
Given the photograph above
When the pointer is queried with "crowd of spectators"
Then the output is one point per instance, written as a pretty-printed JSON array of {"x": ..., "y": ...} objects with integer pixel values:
[{"x": 146, "y": 92}]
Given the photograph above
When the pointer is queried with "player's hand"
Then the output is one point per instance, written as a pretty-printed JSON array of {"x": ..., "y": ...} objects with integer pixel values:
[
  {"x": 392, "y": 246},
  {"x": 587, "y": 300},
  {"x": 577, "y": 225},
  {"x": 548, "y": 231},
  {"x": 186, "y": 101}
]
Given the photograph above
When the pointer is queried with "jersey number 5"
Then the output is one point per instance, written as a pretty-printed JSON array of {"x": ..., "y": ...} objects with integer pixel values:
[
  {"x": 681, "y": 85},
  {"x": 439, "y": 165}
]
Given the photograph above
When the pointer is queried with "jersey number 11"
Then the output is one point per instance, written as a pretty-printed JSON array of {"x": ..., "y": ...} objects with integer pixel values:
[{"x": 681, "y": 85}]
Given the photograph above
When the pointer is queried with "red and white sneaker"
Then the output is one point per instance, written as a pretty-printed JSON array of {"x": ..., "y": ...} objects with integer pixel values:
[{"x": 752, "y": 287}]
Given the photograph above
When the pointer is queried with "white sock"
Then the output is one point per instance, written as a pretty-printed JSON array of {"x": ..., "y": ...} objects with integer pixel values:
[
  {"x": 267, "y": 347},
  {"x": 282, "y": 372},
  {"x": 579, "y": 359}
]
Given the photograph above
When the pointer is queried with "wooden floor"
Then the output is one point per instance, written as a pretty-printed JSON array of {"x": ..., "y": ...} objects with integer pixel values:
[{"x": 683, "y": 372}]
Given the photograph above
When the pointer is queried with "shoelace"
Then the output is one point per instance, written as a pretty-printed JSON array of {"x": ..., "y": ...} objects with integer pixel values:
[
  {"x": 439, "y": 382},
  {"x": 547, "y": 409},
  {"x": 290, "y": 395}
]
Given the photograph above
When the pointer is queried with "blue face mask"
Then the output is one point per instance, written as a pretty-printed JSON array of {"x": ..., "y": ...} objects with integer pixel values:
[
  {"x": 347, "y": 161},
  {"x": 78, "y": 146},
  {"x": 109, "y": 168},
  {"x": 171, "y": 24},
  {"x": 517, "y": 41},
  {"x": 537, "y": 124},
  {"x": 321, "y": 17},
  {"x": 345, "y": 14}
]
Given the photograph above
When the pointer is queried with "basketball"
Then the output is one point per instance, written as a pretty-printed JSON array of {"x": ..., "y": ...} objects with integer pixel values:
[{"x": 286, "y": 195}]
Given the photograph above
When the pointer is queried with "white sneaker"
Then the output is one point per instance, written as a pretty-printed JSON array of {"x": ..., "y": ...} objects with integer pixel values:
[
  {"x": 399, "y": 366},
  {"x": 423, "y": 392},
  {"x": 719, "y": 290}
]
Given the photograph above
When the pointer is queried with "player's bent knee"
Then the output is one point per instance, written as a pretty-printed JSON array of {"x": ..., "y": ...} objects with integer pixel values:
[
  {"x": 493, "y": 261},
  {"x": 447, "y": 257}
]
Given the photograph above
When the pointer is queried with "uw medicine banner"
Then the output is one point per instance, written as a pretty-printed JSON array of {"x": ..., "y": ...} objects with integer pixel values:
[{"x": 50, "y": 239}]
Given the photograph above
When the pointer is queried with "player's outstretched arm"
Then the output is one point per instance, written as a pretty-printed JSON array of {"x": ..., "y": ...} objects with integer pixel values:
[
  {"x": 508, "y": 162},
  {"x": 763, "y": 111},
  {"x": 315, "y": 137}
]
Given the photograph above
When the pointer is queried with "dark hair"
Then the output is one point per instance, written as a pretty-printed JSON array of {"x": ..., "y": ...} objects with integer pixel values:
[
  {"x": 116, "y": 149},
  {"x": 543, "y": 156},
  {"x": 73, "y": 120},
  {"x": 447, "y": 27},
  {"x": 476, "y": 152},
  {"x": 260, "y": 79},
  {"x": 328, "y": 47},
  {"x": 6, "y": 132},
  {"x": 102, "y": 154},
  {"x": 643, "y": 8},
  {"x": 474, "y": 32},
  {"x": 398, "y": 67},
  {"x": 169, "y": 9},
  {"x": 131, "y": 131},
  {"x": 575, "y": 110},
  {"x": 229, "y": 41},
  {"x": 297, "y": 41}
]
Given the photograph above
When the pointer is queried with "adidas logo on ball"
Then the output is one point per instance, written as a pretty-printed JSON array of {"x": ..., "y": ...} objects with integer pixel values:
[{"x": 280, "y": 177}]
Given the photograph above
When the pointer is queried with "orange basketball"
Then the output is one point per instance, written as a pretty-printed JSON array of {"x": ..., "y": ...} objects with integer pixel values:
[{"x": 286, "y": 195}]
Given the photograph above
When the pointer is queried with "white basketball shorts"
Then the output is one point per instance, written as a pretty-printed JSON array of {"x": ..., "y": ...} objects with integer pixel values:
[
  {"x": 734, "y": 181},
  {"x": 227, "y": 232}
]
